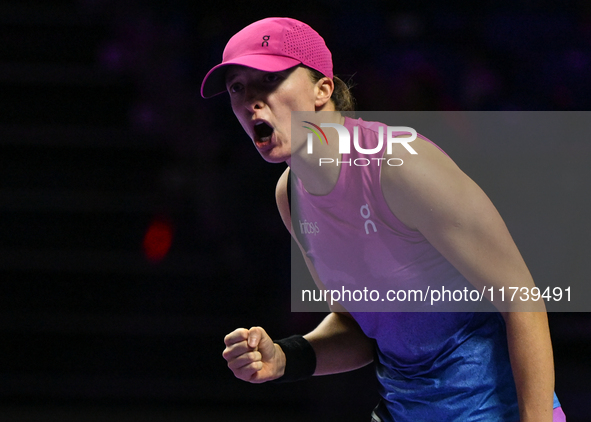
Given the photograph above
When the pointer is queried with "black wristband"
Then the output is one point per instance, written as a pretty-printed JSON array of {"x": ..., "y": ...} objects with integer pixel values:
[{"x": 300, "y": 359}]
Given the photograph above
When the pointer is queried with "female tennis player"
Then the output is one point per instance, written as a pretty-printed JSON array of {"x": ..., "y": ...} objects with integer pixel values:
[{"x": 433, "y": 224}]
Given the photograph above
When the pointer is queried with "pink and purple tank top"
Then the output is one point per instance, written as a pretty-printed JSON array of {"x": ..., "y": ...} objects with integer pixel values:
[{"x": 432, "y": 366}]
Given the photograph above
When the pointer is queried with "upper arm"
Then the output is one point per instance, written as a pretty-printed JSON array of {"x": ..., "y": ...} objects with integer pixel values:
[
  {"x": 282, "y": 199},
  {"x": 431, "y": 194}
]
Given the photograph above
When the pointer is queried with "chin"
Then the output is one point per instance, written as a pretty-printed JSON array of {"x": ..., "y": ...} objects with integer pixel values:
[{"x": 275, "y": 158}]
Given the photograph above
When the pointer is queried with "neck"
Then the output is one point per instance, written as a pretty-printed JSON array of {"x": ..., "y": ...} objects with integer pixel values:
[{"x": 317, "y": 178}]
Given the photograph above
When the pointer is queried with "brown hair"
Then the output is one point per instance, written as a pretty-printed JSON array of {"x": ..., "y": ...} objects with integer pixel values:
[{"x": 341, "y": 96}]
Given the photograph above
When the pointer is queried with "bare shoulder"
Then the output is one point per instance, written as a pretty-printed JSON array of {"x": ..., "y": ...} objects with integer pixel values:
[
  {"x": 281, "y": 196},
  {"x": 429, "y": 193},
  {"x": 423, "y": 183}
]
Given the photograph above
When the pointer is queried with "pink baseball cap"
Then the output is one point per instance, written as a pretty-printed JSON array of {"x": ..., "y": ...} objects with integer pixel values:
[{"x": 270, "y": 45}]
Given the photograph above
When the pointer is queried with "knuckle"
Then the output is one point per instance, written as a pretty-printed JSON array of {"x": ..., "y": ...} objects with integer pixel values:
[
  {"x": 234, "y": 366},
  {"x": 247, "y": 358},
  {"x": 234, "y": 336}
]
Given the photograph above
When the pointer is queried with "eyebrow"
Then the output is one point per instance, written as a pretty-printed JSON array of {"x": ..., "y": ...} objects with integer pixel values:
[{"x": 230, "y": 76}]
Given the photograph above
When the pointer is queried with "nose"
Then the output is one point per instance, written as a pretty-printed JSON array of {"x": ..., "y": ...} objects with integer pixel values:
[{"x": 253, "y": 99}]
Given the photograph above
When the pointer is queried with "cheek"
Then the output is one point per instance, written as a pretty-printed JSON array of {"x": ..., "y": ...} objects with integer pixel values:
[
  {"x": 307, "y": 100},
  {"x": 241, "y": 120},
  {"x": 299, "y": 94}
]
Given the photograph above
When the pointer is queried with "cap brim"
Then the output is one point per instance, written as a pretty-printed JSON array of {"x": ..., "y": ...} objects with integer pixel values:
[{"x": 214, "y": 82}]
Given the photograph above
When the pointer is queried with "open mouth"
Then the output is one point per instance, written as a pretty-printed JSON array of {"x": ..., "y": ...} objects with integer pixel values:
[{"x": 263, "y": 131}]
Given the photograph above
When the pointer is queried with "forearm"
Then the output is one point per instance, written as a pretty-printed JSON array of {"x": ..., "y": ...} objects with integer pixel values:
[
  {"x": 530, "y": 350},
  {"x": 340, "y": 345}
]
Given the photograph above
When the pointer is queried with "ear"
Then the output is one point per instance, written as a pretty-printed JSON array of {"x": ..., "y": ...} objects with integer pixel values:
[{"x": 323, "y": 90}]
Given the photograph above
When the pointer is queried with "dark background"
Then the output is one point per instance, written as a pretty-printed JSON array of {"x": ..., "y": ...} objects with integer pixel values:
[{"x": 104, "y": 139}]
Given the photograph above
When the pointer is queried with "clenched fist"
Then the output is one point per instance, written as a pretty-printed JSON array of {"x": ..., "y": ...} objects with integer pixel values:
[{"x": 252, "y": 356}]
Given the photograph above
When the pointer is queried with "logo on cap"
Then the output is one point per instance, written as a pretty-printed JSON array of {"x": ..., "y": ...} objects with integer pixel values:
[{"x": 265, "y": 42}]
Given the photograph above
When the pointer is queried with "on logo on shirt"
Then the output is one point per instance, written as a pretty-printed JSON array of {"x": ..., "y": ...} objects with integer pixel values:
[{"x": 366, "y": 213}]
